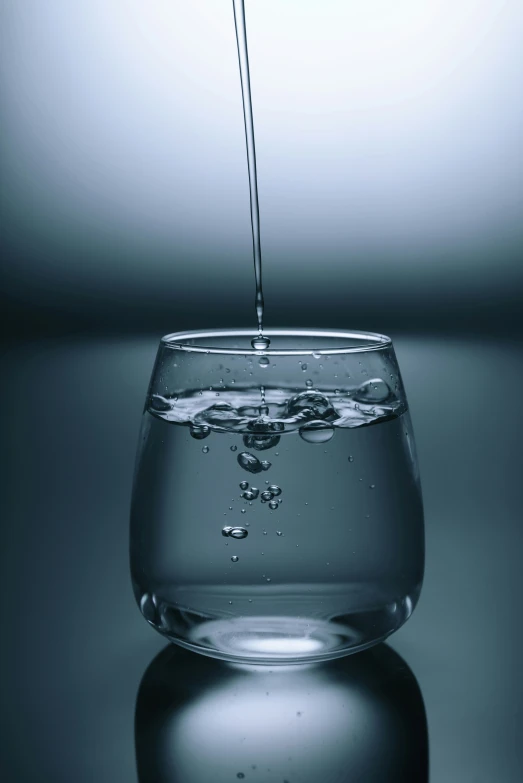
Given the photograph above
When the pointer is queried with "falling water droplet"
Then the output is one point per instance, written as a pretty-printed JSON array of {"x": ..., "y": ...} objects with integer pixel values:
[
  {"x": 316, "y": 432},
  {"x": 308, "y": 383}
]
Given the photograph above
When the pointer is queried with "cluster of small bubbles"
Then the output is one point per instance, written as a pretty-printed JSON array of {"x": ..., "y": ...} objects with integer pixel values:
[
  {"x": 234, "y": 448},
  {"x": 205, "y": 449},
  {"x": 249, "y": 462},
  {"x": 267, "y": 495},
  {"x": 274, "y": 505},
  {"x": 275, "y": 489},
  {"x": 260, "y": 343},
  {"x": 235, "y": 558},
  {"x": 263, "y": 361},
  {"x": 308, "y": 383},
  {"x": 199, "y": 433},
  {"x": 265, "y": 464},
  {"x": 316, "y": 432}
]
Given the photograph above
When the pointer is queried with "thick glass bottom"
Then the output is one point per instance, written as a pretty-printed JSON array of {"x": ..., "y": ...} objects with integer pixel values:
[{"x": 271, "y": 638}]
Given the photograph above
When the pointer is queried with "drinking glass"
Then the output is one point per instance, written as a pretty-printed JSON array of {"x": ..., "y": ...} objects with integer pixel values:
[{"x": 277, "y": 513}]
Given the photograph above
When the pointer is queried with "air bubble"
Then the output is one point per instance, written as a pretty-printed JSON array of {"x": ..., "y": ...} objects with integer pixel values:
[
  {"x": 372, "y": 486},
  {"x": 275, "y": 489},
  {"x": 249, "y": 462},
  {"x": 274, "y": 505},
  {"x": 261, "y": 442},
  {"x": 234, "y": 448},
  {"x": 279, "y": 533},
  {"x": 255, "y": 491},
  {"x": 260, "y": 343},
  {"x": 264, "y": 362},
  {"x": 205, "y": 449},
  {"x": 199, "y": 433},
  {"x": 316, "y": 355},
  {"x": 235, "y": 558},
  {"x": 226, "y": 530},
  {"x": 316, "y": 432},
  {"x": 351, "y": 458},
  {"x": 244, "y": 485},
  {"x": 238, "y": 532},
  {"x": 265, "y": 464},
  {"x": 248, "y": 495},
  {"x": 308, "y": 383},
  {"x": 304, "y": 367},
  {"x": 267, "y": 495},
  {"x": 375, "y": 390}
]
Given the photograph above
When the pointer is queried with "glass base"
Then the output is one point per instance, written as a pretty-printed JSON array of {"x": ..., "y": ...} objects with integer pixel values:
[{"x": 276, "y": 638}]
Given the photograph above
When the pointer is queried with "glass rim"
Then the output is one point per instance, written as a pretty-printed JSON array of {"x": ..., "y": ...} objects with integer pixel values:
[{"x": 370, "y": 341}]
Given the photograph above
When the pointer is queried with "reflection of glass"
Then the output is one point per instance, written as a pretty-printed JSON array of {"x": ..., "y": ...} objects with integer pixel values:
[
  {"x": 360, "y": 718},
  {"x": 276, "y": 508}
]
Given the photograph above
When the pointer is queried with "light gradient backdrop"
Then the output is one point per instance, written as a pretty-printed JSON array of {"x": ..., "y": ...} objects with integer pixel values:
[{"x": 390, "y": 151}]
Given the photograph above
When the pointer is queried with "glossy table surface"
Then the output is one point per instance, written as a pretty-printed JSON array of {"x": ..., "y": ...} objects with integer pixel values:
[{"x": 75, "y": 649}]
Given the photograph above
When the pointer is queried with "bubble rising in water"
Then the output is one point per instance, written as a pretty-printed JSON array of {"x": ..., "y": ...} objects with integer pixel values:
[
  {"x": 264, "y": 362},
  {"x": 205, "y": 449},
  {"x": 274, "y": 505},
  {"x": 234, "y": 448},
  {"x": 316, "y": 432},
  {"x": 275, "y": 489},
  {"x": 249, "y": 462},
  {"x": 244, "y": 485},
  {"x": 267, "y": 495},
  {"x": 265, "y": 464},
  {"x": 260, "y": 343},
  {"x": 226, "y": 530},
  {"x": 248, "y": 495},
  {"x": 235, "y": 558},
  {"x": 261, "y": 442},
  {"x": 375, "y": 390},
  {"x": 238, "y": 532},
  {"x": 199, "y": 432}
]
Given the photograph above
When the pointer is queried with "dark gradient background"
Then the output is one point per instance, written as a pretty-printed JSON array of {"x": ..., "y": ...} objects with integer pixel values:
[{"x": 391, "y": 192}]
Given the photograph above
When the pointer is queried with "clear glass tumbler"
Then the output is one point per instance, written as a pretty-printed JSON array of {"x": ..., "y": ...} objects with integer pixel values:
[{"x": 277, "y": 513}]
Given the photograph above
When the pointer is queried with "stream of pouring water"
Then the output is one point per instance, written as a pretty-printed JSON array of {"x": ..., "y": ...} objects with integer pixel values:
[{"x": 259, "y": 342}]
